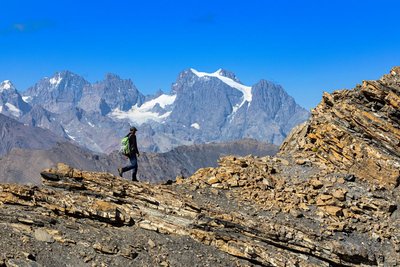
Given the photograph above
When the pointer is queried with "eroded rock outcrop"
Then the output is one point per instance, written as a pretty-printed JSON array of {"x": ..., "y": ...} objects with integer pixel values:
[
  {"x": 324, "y": 213},
  {"x": 355, "y": 131}
]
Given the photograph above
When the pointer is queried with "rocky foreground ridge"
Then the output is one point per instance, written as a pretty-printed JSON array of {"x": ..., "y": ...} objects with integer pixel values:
[
  {"x": 330, "y": 198},
  {"x": 355, "y": 131}
]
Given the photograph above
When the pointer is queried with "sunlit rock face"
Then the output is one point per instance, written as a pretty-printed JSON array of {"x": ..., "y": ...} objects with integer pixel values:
[{"x": 355, "y": 131}]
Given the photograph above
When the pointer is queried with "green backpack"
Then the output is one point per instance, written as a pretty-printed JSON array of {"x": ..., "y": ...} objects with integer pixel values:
[{"x": 125, "y": 145}]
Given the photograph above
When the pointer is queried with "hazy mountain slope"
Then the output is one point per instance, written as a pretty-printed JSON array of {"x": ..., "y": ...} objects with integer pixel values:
[
  {"x": 23, "y": 166},
  {"x": 185, "y": 160},
  {"x": 14, "y": 134}
]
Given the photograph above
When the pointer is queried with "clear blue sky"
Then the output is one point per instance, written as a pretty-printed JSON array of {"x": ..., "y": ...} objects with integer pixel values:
[{"x": 306, "y": 46}]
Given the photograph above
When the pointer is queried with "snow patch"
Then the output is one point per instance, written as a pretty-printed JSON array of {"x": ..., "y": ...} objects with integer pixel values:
[
  {"x": 144, "y": 113},
  {"x": 1, "y": 109},
  {"x": 56, "y": 80},
  {"x": 27, "y": 99},
  {"x": 162, "y": 100},
  {"x": 195, "y": 125},
  {"x": 14, "y": 110},
  {"x": 70, "y": 136},
  {"x": 6, "y": 85},
  {"x": 90, "y": 124}
]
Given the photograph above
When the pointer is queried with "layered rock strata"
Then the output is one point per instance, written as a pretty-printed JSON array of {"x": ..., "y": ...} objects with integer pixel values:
[
  {"x": 325, "y": 214},
  {"x": 270, "y": 216},
  {"x": 355, "y": 131}
]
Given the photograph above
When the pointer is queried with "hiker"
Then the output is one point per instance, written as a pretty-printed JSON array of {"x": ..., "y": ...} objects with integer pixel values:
[{"x": 132, "y": 154}]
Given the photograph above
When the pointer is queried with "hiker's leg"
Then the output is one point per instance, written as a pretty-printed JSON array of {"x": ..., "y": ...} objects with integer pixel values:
[
  {"x": 135, "y": 168},
  {"x": 129, "y": 167}
]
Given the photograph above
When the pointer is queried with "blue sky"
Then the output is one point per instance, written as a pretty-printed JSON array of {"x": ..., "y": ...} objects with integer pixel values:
[{"x": 306, "y": 46}]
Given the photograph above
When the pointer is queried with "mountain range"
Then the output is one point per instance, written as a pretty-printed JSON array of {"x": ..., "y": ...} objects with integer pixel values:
[{"x": 200, "y": 108}]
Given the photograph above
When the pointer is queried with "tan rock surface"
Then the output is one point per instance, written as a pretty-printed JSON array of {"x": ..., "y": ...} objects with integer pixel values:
[{"x": 355, "y": 131}]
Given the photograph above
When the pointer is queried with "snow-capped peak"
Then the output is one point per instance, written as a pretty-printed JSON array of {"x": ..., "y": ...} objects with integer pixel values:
[
  {"x": 246, "y": 90},
  {"x": 55, "y": 80},
  {"x": 6, "y": 85}
]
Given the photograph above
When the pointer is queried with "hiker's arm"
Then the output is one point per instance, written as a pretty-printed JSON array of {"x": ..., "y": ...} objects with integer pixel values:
[
  {"x": 137, "y": 150},
  {"x": 133, "y": 144}
]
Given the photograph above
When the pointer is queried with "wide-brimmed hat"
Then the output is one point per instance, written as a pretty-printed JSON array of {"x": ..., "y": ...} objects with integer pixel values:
[{"x": 133, "y": 129}]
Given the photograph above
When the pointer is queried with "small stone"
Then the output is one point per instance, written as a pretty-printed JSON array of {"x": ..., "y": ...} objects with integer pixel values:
[
  {"x": 214, "y": 191},
  {"x": 106, "y": 248},
  {"x": 325, "y": 197},
  {"x": 179, "y": 180},
  {"x": 316, "y": 184},
  {"x": 193, "y": 188},
  {"x": 296, "y": 213},
  {"x": 304, "y": 206},
  {"x": 284, "y": 162},
  {"x": 338, "y": 226},
  {"x": 213, "y": 180},
  {"x": 129, "y": 253},
  {"x": 29, "y": 256},
  {"x": 44, "y": 236},
  {"x": 340, "y": 194},
  {"x": 324, "y": 200},
  {"x": 375, "y": 236},
  {"x": 300, "y": 161},
  {"x": 87, "y": 259},
  {"x": 151, "y": 243},
  {"x": 341, "y": 180},
  {"x": 350, "y": 178},
  {"x": 333, "y": 210}
]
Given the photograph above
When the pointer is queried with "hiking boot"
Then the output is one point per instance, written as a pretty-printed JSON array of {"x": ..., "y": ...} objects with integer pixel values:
[
  {"x": 135, "y": 180},
  {"x": 120, "y": 172}
]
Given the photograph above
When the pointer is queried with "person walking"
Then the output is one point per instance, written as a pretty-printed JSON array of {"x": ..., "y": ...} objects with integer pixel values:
[{"x": 132, "y": 155}]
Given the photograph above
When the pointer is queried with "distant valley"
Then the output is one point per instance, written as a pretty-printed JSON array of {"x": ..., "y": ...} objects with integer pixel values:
[{"x": 24, "y": 165}]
